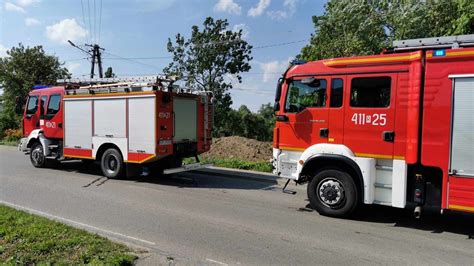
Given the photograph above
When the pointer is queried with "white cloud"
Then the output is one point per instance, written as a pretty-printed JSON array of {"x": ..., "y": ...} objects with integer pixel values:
[
  {"x": 25, "y": 3},
  {"x": 67, "y": 29},
  {"x": 72, "y": 67},
  {"x": 288, "y": 11},
  {"x": 273, "y": 69},
  {"x": 31, "y": 22},
  {"x": 244, "y": 28},
  {"x": 3, "y": 50},
  {"x": 259, "y": 9},
  {"x": 14, "y": 8},
  {"x": 228, "y": 6}
]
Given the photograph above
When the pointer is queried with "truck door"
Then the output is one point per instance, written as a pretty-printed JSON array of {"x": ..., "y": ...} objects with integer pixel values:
[
  {"x": 336, "y": 110},
  {"x": 370, "y": 114},
  {"x": 52, "y": 118},
  {"x": 31, "y": 117},
  {"x": 304, "y": 121}
]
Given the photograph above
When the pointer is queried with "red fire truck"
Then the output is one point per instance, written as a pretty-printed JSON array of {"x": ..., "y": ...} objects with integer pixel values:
[
  {"x": 121, "y": 122},
  {"x": 394, "y": 129}
]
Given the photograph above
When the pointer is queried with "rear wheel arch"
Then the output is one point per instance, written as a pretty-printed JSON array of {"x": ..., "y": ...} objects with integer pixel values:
[
  {"x": 321, "y": 162},
  {"x": 104, "y": 147}
]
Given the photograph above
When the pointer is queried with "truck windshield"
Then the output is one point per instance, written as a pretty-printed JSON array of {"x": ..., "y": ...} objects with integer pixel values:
[{"x": 301, "y": 96}]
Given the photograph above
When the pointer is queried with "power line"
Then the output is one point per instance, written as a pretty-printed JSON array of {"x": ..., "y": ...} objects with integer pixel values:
[
  {"x": 76, "y": 59},
  {"x": 83, "y": 16},
  {"x": 278, "y": 44},
  {"x": 131, "y": 60},
  {"x": 89, "y": 17},
  {"x": 100, "y": 19},
  {"x": 95, "y": 24},
  {"x": 140, "y": 58}
]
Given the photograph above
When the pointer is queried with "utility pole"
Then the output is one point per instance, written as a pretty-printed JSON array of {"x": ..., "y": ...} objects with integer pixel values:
[{"x": 96, "y": 57}]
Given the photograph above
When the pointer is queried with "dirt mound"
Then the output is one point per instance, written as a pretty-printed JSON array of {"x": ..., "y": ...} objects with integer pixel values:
[{"x": 239, "y": 148}]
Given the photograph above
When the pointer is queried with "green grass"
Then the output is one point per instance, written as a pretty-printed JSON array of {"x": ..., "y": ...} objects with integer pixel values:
[
  {"x": 262, "y": 166},
  {"x": 29, "y": 239}
]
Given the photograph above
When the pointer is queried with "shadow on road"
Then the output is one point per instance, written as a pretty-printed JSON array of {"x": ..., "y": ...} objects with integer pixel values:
[
  {"x": 182, "y": 180},
  {"x": 431, "y": 220}
]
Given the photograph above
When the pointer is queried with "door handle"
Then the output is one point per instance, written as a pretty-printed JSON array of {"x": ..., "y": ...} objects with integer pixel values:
[
  {"x": 282, "y": 118},
  {"x": 388, "y": 136},
  {"x": 324, "y": 132}
]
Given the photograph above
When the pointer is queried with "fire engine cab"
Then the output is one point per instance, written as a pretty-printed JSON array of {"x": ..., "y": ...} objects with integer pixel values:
[
  {"x": 394, "y": 129},
  {"x": 120, "y": 122}
]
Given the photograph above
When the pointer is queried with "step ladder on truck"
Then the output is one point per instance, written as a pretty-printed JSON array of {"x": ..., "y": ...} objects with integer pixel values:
[
  {"x": 393, "y": 129},
  {"x": 124, "y": 123}
]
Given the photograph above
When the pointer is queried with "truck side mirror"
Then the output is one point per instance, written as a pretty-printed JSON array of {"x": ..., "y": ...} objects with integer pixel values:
[
  {"x": 276, "y": 106},
  {"x": 18, "y": 107}
]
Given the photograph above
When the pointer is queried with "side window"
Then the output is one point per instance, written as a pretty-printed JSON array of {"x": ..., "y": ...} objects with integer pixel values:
[
  {"x": 301, "y": 96},
  {"x": 370, "y": 92},
  {"x": 336, "y": 93},
  {"x": 32, "y": 106},
  {"x": 43, "y": 102},
  {"x": 54, "y": 104}
]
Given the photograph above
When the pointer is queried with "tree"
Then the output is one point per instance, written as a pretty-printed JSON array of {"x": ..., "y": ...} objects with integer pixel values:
[
  {"x": 209, "y": 56},
  {"x": 109, "y": 73},
  {"x": 268, "y": 114},
  {"x": 350, "y": 28},
  {"x": 19, "y": 71}
]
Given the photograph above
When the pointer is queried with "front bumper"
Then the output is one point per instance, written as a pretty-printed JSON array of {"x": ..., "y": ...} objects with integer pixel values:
[{"x": 22, "y": 146}]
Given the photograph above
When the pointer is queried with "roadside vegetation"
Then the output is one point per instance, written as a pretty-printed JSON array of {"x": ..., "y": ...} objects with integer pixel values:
[{"x": 26, "y": 239}]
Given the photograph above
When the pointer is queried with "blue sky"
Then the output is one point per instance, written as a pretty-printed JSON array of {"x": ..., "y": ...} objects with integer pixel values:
[{"x": 141, "y": 28}]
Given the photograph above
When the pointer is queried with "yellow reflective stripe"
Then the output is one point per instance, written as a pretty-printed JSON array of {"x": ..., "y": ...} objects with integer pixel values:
[
  {"x": 291, "y": 148},
  {"x": 372, "y": 60},
  {"x": 461, "y": 208},
  {"x": 380, "y": 156},
  {"x": 144, "y": 160}
]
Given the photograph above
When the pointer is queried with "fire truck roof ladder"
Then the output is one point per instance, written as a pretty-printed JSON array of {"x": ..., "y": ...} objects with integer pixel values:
[
  {"x": 435, "y": 42},
  {"x": 135, "y": 79},
  {"x": 119, "y": 84}
]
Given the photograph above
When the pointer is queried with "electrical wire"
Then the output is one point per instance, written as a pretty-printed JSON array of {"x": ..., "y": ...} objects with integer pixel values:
[
  {"x": 279, "y": 44},
  {"x": 131, "y": 60},
  {"x": 140, "y": 58},
  {"x": 95, "y": 24},
  {"x": 100, "y": 20},
  {"x": 89, "y": 16},
  {"x": 83, "y": 17}
]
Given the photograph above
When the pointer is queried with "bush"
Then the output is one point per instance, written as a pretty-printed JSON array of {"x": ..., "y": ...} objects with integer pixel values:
[{"x": 12, "y": 135}]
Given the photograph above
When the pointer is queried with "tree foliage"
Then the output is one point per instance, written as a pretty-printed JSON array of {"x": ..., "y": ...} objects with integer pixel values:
[
  {"x": 22, "y": 68},
  {"x": 350, "y": 28},
  {"x": 205, "y": 59},
  {"x": 245, "y": 123}
]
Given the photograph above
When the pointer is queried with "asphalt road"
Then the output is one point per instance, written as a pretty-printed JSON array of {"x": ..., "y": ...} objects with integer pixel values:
[{"x": 208, "y": 219}]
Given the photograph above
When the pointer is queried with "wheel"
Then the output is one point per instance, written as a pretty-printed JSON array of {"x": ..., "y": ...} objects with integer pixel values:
[
  {"x": 37, "y": 157},
  {"x": 112, "y": 164},
  {"x": 333, "y": 193}
]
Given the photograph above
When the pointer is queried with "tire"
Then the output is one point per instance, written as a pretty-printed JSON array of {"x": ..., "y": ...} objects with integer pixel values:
[
  {"x": 112, "y": 164},
  {"x": 333, "y": 193},
  {"x": 37, "y": 157}
]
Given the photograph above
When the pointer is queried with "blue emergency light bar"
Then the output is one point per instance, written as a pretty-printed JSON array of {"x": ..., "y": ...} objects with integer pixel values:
[{"x": 39, "y": 87}]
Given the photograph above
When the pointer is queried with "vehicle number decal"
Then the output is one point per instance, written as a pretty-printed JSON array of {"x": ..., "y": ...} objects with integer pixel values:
[{"x": 369, "y": 119}]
